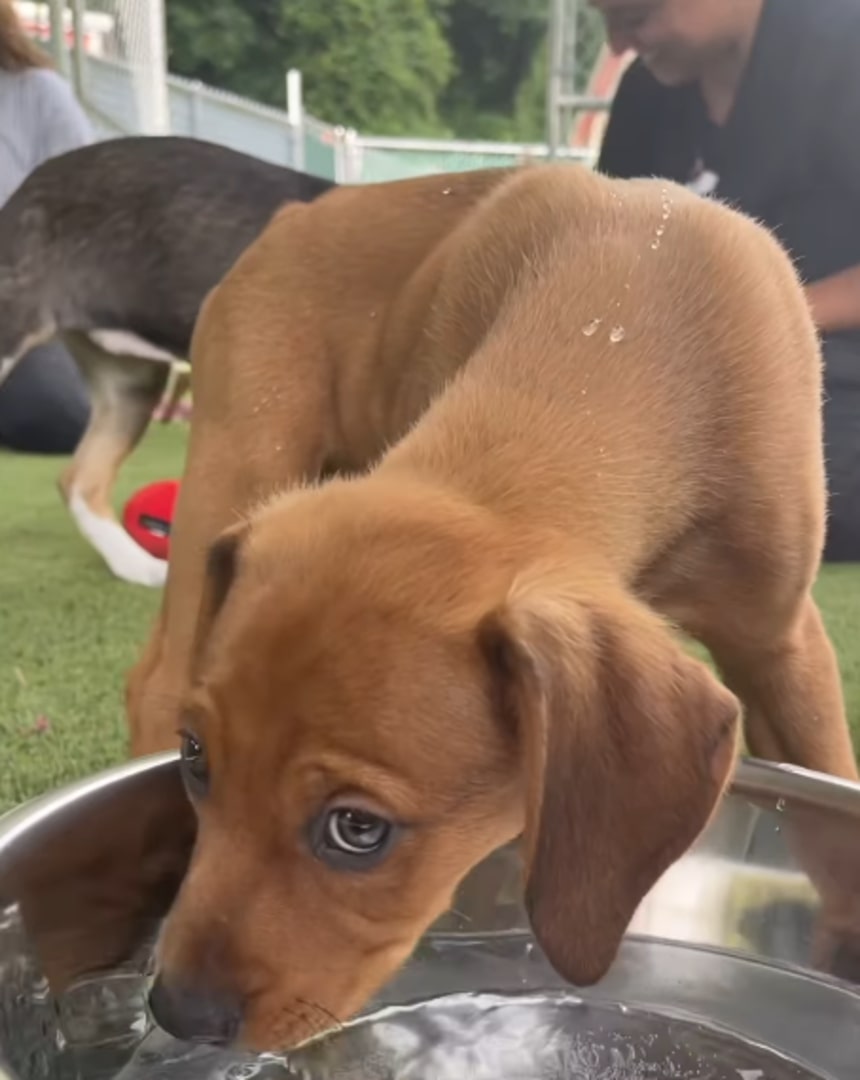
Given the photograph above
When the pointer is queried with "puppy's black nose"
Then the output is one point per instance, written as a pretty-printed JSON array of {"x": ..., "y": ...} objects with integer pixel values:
[{"x": 195, "y": 1015}]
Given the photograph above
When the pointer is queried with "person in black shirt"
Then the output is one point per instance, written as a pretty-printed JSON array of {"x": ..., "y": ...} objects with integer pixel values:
[{"x": 757, "y": 102}]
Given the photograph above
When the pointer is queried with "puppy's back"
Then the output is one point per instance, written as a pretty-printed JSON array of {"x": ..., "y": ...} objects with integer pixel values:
[
  {"x": 652, "y": 344},
  {"x": 647, "y": 292}
]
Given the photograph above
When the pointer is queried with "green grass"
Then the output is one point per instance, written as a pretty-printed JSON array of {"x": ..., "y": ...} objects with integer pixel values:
[{"x": 69, "y": 631}]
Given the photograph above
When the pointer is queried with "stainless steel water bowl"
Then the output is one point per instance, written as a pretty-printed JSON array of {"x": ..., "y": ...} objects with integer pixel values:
[{"x": 743, "y": 963}]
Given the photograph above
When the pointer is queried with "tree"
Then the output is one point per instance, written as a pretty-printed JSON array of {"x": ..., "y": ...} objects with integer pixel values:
[
  {"x": 474, "y": 68},
  {"x": 496, "y": 44},
  {"x": 213, "y": 40},
  {"x": 377, "y": 65},
  {"x": 529, "y": 119}
]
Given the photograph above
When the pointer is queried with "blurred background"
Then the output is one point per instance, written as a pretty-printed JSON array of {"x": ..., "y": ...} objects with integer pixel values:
[{"x": 353, "y": 90}]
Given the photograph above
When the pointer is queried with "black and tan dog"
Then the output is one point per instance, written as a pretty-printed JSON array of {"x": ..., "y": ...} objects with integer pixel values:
[{"x": 114, "y": 246}]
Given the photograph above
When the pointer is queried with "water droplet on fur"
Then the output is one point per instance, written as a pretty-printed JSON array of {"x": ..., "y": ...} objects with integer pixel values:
[
  {"x": 780, "y": 805},
  {"x": 616, "y": 334},
  {"x": 655, "y": 244},
  {"x": 661, "y": 229},
  {"x": 447, "y": 191},
  {"x": 590, "y": 329}
]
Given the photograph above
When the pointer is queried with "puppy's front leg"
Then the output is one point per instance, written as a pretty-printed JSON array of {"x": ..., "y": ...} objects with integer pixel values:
[{"x": 258, "y": 425}]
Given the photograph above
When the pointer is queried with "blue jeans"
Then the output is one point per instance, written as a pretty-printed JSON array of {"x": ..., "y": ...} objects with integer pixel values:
[{"x": 44, "y": 403}]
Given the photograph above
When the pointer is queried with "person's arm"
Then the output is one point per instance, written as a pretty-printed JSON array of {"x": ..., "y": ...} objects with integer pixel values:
[
  {"x": 835, "y": 301},
  {"x": 626, "y": 150},
  {"x": 63, "y": 124}
]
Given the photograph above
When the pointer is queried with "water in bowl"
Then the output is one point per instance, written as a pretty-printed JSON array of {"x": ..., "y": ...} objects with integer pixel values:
[
  {"x": 534, "y": 1037},
  {"x": 98, "y": 1030},
  {"x": 488, "y": 1037}
]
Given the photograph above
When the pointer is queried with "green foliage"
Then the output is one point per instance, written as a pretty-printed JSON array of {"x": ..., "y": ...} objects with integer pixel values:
[
  {"x": 213, "y": 40},
  {"x": 495, "y": 44},
  {"x": 377, "y": 65},
  {"x": 528, "y": 123},
  {"x": 472, "y": 68},
  {"x": 529, "y": 119},
  {"x": 590, "y": 36}
]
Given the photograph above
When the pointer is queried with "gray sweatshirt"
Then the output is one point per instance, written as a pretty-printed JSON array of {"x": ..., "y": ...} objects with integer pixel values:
[{"x": 39, "y": 118}]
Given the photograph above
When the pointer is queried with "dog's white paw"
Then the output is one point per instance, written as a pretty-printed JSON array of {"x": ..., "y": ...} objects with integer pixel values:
[
  {"x": 126, "y": 558},
  {"x": 139, "y": 567}
]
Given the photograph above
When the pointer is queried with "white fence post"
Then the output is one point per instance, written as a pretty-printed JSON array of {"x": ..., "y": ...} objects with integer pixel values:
[
  {"x": 57, "y": 16},
  {"x": 352, "y": 156},
  {"x": 79, "y": 49},
  {"x": 160, "y": 107},
  {"x": 195, "y": 100},
  {"x": 296, "y": 117},
  {"x": 144, "y": 28},
  {"x": 340, "y": 167}
]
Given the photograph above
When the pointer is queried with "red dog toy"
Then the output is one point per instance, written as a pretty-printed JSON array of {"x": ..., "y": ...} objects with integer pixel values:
[{"x": 148, "y": 516}]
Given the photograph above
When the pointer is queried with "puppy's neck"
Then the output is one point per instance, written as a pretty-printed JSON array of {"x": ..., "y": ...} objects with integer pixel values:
[{"x": 478, "y": 550}]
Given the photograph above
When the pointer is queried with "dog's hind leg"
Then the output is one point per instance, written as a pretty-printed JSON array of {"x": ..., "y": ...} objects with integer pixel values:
[
  {"x": 125, "y": 390},
  {"x": 773, "y": 650},
  {"x": 756, "y": 615},
  {"x": 791, "y": 689}
]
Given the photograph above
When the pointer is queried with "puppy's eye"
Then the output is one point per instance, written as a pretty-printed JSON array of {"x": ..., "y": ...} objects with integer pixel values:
[
  {"x": 193, "y": 763},
  {"x": 349, "y": 838},
  {"x": 355, "y": 831}
]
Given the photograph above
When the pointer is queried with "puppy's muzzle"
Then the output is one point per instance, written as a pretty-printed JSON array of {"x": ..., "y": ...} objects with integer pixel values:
[{"x": 194, "y": 1014}]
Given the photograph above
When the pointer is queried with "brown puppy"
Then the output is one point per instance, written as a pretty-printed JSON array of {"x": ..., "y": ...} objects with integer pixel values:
[{"x": 395, "y": 674}]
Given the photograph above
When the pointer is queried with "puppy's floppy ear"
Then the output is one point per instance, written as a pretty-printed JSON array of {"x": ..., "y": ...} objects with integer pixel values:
[
  {"x": 222, "y": 564},
  {"x": 627, "y": 745}
]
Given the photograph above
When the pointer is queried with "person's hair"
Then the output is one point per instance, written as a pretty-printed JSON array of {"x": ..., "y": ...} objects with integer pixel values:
[{"x": 17, "y": 51}]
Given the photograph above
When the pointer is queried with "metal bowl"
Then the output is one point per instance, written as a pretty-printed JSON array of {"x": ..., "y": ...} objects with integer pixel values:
[{"x": 743, "y": 963}]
